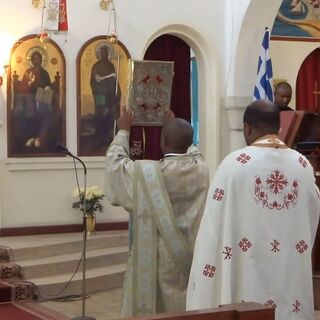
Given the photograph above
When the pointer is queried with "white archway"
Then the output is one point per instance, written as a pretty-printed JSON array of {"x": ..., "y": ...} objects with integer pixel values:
[
  {"x": 259, "y": 14},
  {"x": 209, "y": 115},
  {"x": 243, "y": 60}
]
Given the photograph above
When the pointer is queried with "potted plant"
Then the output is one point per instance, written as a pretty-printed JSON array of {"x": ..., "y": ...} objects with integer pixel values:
[{"x": 92, "y": 199}]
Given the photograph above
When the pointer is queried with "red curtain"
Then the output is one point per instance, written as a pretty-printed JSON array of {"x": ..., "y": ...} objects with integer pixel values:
[
  {"x": 308, "y": 83},
  {"x": 167, "y": 48},
  {"x": 308, "y": 99}
]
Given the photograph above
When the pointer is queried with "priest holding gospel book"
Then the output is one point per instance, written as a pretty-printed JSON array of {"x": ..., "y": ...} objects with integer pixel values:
[
  {"x": 257, "y": 232},
  {"x": 165, "y": 200}
]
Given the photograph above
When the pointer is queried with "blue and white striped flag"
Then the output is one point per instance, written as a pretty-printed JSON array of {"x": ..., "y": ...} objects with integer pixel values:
[{"x": 263, "y": 87}]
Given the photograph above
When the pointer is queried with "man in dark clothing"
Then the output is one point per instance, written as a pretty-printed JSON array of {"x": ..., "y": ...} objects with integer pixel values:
[{"x": 282, "y": 96}]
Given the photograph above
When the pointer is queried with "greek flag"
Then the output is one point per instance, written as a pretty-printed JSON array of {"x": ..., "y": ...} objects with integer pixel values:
[{"x": 263, "y": 87}]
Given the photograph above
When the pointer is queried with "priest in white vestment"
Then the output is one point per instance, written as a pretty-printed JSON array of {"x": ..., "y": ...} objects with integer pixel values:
[
  {"x": 166, "y": 199},
  {"x": 257, "y": 232}
]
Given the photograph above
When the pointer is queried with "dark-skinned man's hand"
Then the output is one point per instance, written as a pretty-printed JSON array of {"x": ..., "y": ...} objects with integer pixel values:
[
  {"x": 125, "y": 120},
  {"x": 168, "y": 116}
]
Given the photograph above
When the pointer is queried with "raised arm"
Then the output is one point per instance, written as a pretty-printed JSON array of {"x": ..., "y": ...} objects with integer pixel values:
[{"x": 119, "y": 172}]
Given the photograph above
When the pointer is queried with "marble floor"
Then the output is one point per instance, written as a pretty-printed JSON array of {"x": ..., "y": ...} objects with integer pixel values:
[{"x": 103, "y": 305}]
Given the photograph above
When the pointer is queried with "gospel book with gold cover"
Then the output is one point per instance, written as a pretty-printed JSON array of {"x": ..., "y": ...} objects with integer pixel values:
[{"x": 148, "y": 93}]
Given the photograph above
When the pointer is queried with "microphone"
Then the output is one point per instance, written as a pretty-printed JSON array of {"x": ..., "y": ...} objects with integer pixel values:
[{"x": 63, "y": 148}]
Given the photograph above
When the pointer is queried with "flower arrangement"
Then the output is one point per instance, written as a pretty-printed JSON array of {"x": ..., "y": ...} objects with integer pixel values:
[{"x": 93, "y": 196}]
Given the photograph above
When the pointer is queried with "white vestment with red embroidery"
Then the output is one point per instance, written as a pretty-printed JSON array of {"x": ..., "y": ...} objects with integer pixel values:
[
  {"x": 256, "y": 235},
  {"x": 166, "y": 200}
]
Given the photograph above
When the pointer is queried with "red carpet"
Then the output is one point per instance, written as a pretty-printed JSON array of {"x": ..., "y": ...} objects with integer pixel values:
[{"x": 28, "y": 311}]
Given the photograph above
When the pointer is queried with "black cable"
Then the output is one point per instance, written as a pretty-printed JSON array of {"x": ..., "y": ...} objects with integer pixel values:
[{"x": 41, "y": 292}]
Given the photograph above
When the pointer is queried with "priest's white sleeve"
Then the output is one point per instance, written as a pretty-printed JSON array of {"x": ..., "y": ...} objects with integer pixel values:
[{"x": 119, "y": 172}]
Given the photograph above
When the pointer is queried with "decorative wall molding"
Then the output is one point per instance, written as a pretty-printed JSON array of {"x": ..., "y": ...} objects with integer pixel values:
[
  {"x": 63, "y": 163},
  {"x": 33, "y": 230}
]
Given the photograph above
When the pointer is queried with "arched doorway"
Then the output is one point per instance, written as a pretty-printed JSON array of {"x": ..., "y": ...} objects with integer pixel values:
[
  {"x": 308, "y": 83},
  {"x": 171, "y": 48}
]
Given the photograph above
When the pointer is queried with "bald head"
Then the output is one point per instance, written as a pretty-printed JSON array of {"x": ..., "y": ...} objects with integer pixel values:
[
  {"x": 260, "y": 118},
  {"x": 282, "y": 94},
  {"x": 176, "y": 136},
  {"x": 282, "y": 86}
]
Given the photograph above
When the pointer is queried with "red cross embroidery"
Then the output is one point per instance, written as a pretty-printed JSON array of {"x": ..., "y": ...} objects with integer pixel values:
[
  {"x": 276, "y": 181},
  {"x": 301, "y": 246},
  {"x": 243, "y": 158},
  {"x": 136, "y": 149},
  {"x": 245, "y": 244},
  {"x": 277, "y": 185},
  {"x": 275, "y": 245},
  {"x": 296, "y": 306},
  {"x": 218, "y": 194},
  {"x": 302, "y": 162},
  {"x": 270, "y": 303},
  {"x": 209, "y": 271},
  {"x": 227, "y": 253}
]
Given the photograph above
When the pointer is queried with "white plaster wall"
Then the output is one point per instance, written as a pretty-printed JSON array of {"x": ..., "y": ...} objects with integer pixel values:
[
  {"x": 40, "y": 192},
  {"x": 37, "y": 191},
  {"x": 236, "y": 11}
]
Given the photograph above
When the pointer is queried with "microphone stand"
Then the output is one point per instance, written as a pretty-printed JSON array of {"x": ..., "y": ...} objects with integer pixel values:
[{"x": 84, "y": 249}]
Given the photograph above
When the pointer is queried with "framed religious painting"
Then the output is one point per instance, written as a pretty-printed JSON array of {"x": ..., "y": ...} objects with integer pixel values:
[
  {"x": 102, "y": 74},
  {"x": 297, "y": 20},
  {"x": 36, "y": 98}
]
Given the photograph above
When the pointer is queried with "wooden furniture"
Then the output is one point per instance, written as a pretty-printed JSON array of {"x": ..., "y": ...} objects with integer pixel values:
[
  {"x": 302, "y": 132},
  {"x": 234, "y": 311}
]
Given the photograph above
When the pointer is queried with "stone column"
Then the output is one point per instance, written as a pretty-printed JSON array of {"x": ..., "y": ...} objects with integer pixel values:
[{"x": 233, "y": 109}]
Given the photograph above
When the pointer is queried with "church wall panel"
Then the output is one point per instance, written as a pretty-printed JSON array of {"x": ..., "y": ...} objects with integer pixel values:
[{"x": 36, "y": 192}]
